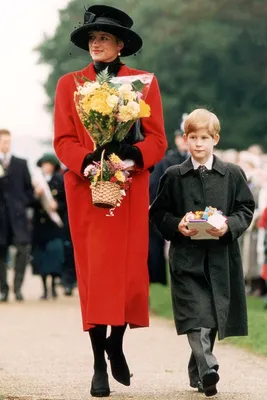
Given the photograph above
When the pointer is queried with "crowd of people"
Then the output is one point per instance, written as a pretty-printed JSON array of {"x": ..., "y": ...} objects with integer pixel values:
[{"x": 34, "y": 220}]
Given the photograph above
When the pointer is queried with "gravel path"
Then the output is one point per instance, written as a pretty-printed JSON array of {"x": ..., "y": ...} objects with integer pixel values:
[{"x": 44, "y": 355}]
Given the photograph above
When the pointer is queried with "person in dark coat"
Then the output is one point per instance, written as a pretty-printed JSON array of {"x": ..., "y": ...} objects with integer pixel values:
[
  {"x": 156, "y": 256},
  {"x": 47, "y": 237},
  {"x": 207, "y": 283},
  {"x": 68, "y": 277},
  {"x": 16, "y": 195}
]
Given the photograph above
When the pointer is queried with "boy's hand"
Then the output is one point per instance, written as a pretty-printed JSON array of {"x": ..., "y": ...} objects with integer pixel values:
[
  {"x": 218, "y": 232},
  {"x": 182, "y": 227}
]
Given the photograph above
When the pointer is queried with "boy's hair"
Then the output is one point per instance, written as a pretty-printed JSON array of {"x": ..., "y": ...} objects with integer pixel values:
[
  {"x": 202, "y": 119},
  {"x": 4, "y": 132}
]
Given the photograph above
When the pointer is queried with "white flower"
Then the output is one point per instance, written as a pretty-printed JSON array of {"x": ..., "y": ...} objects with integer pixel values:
[
  {"x": 112, "y": 100},
  {"x": 126, "y": 92},
  {"x": 125, "y": 88},
  {"x": 134, "y": 107},
  {"x": 88, "y": 88},
  {"x": 129, "y": 112}
]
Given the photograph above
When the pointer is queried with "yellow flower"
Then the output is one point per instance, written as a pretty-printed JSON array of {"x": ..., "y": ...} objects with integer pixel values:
[
  {"x": 97, "y": 176},
  {"x": 129, "y": 112},
  {"x": 99, "y": 102},
  {"x": 120, "y": 176},
  {"x": 144, "y": 109},
  {"x": 115, "y": 159}
]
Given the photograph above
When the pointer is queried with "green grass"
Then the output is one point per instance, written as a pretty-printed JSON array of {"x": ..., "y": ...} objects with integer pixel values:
[{"x": 256, "y": 341}]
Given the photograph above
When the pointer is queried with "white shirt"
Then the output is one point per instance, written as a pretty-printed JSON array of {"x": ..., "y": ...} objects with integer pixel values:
[
  {"x": 5, "y": 158},
  {"x": 208, "y": 164}
]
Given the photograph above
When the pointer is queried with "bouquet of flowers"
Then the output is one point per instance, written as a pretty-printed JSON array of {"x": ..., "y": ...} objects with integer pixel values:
[
  {"x": 109, "y": 106},
  {"x": 109, "y": 181}
]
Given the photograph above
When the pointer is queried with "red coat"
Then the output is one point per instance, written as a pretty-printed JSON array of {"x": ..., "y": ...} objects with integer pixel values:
[{"x": 110, "y": 252}]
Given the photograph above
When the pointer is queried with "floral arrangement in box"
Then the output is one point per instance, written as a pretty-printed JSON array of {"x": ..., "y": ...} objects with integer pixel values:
[
  {"x": 211, "y": 215},
  {"x": 109, "y": 181}
]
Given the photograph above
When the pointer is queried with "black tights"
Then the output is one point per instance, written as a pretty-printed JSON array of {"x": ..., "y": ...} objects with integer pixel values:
[
  {"x": 98, "y": 336},
  {"x": 44, "y": 279}
]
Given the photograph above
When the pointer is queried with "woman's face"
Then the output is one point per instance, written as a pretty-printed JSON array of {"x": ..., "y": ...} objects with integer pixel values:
[
  {"x": 48, "y": 168},
  {"x": 104, "y": 46}
]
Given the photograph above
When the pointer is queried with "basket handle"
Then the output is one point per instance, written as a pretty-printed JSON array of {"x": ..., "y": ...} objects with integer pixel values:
[{"x": 101, "y": 164}]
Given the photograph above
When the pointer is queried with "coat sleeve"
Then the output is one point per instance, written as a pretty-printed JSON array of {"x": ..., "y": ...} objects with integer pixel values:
[
  {"x": 154, "y": 180},
  {"x": 161, "y": 211},
  {"x": 154, "y": 145},
  {"x": 28, "y": 188},
  {"x": 244, "y": 206},
  {"x": 66, "y": 142}
]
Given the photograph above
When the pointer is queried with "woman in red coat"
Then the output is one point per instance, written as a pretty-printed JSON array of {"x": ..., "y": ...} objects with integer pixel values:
[{"x": 110, "y": 252}]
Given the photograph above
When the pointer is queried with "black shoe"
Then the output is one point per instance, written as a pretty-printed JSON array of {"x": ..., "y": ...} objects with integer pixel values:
[
  {"x": 100, "y": 385},
  {"x": 4, "y": 297},
  {"x": 19, "y": 296},
  {"x": 119, "y": 368},
  {"x": 209, "y": 381},
  {"x": 54, "y": 293},
  {"x": 68, "y": 291}
]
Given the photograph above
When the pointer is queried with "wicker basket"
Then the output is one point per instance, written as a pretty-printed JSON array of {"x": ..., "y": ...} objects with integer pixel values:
[{"x": 105, "y": 194}]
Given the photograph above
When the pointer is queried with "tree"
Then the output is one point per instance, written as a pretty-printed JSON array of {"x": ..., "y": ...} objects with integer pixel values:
[{"x": 204, "y": 53}]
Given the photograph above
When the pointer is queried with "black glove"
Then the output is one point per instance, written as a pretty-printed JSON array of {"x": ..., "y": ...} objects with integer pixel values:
[
  {"x": 131, "y": 152},
  {"x": 112, "y": 147}
]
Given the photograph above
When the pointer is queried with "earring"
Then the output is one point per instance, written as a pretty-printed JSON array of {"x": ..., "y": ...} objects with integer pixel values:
[{"x": 119, "y": 53}]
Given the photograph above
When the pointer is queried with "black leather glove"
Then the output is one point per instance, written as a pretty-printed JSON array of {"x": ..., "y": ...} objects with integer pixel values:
[{"x": 112, "y": 147}]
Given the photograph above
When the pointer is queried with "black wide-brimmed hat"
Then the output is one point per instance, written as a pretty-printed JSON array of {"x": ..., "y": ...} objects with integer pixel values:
[
  {"x": 111, "y": 20},
  {"x": 50, "y": 158}
]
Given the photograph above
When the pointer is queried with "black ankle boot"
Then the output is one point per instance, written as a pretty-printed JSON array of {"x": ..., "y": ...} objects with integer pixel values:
[
  {"x": 119, "y": 368},
  {"x": 100, "y": 384}
]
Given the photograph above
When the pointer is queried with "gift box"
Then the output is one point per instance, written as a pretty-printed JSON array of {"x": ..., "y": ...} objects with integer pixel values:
[{"x": 205, "y": 220}]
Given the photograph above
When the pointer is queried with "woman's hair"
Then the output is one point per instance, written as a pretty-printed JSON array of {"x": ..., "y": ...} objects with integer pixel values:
[
  {"x": 202, "y": 119},
  {"x": 4, "y": 132}
]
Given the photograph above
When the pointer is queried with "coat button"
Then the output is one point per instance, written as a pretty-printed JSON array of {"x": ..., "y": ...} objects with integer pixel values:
[{"x": 42, "y": 220}]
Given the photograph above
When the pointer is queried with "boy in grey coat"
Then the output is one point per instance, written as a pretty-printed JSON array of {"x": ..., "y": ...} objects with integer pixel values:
[{"x": 207, "y": 283}]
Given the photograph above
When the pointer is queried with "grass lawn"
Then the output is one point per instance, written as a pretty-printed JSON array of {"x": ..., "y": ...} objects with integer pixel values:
[{"x": 256, "y": 341}]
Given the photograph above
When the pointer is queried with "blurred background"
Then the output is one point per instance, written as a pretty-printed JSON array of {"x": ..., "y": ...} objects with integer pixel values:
[{"x": 205, "y": 53}]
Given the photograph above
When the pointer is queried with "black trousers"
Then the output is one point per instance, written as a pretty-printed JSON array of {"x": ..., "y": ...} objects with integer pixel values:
[
  {"x": 20, "y": 266},
  {"x": 201, "y": 342}
]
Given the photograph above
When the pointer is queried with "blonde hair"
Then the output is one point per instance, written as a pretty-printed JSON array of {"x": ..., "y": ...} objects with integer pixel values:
[
  {"x": 4, "y": 132},
  {"x": 202, "y": 119}
]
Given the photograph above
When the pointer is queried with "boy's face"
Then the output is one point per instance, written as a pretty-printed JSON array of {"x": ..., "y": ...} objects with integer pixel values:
[{"x": 200, "y": 144}]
